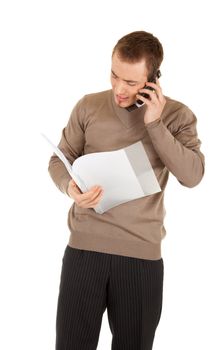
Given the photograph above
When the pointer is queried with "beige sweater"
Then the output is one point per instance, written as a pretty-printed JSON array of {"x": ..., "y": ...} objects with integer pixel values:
[{"x": 97, "y": 124}]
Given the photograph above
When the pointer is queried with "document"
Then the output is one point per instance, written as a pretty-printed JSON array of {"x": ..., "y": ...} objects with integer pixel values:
[{"x": 124, "y": 174}]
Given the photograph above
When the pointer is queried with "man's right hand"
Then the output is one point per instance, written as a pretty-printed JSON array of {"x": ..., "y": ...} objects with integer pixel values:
[{"x": 88, "y": 199}]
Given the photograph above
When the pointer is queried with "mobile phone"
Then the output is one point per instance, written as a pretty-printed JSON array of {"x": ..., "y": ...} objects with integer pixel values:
[{"x": 140, "y": 103}]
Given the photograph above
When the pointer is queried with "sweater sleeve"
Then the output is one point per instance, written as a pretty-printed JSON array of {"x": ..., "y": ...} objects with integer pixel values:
[
  {"x": 72, "y": 145},
  {"x": 179, "y": 149}
]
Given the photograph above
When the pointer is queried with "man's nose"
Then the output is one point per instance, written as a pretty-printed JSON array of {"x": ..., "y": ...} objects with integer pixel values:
[{"x": 120, "y": 88}]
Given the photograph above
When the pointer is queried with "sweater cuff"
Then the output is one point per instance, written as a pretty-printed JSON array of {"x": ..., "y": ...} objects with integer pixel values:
[
  {"x": 153, "y": 124},
  {"x": 64, "y": 184},
  {"x": 158, "y": 132}
]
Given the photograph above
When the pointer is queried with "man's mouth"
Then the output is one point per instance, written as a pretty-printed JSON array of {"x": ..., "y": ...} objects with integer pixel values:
[{"x": 121, "y": 98}]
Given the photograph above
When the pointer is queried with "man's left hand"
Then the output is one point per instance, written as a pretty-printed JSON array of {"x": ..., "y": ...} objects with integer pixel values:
[{"x": 155, "y": 103}]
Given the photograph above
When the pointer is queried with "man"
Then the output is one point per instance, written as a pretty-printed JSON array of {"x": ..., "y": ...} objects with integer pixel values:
[{"x": 114, "y": 260}]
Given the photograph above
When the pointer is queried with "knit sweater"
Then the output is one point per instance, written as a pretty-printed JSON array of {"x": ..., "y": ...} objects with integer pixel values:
[{"x": 97, "y": 124}]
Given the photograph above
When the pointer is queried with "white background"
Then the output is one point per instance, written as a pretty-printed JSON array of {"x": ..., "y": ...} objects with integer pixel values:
[{"x": 52, "y": 53}]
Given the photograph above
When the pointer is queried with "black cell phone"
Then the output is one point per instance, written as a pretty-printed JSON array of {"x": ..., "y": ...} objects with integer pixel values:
[{"x": 140, "y": 103}]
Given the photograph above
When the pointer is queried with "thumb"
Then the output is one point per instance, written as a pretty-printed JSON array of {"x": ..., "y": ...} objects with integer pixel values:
[
  {"x": 75, "y": 186},
  {"x": 73, "y": 183}
]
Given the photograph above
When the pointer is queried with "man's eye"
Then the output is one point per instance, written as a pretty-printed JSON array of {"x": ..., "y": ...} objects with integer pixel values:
[{"x": 131, "y": 84}]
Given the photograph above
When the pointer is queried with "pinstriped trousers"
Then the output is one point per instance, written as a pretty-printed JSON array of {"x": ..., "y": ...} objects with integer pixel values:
[{"x": 131, "y": 289}]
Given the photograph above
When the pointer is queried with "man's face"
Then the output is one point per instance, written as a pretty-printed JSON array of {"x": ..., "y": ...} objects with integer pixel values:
[{"x": 126, "y": 80}]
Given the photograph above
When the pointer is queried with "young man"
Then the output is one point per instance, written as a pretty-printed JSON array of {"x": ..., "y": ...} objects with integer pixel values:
[{"x": 114, "y": 260}]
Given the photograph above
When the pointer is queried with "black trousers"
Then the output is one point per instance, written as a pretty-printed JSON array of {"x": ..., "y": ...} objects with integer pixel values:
[{"x": 131, "y": 289}]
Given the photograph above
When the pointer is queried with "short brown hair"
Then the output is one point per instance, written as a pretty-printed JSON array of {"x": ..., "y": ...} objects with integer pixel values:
[{"x": 139, "y": 45}]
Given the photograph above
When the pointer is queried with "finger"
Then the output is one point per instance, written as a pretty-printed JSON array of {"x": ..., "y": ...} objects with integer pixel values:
[
  {"x": 144, "y": 99},
  {"x": 151, "y": 84},
  {"x": 74, "y": 188},
  {"x": 92, "y": 203},
  {"x": 148, "y": 91},
  {"x": 157, "y": 88},
  {"x": 152, "y": 95},
  {"x": 73, "y": 184},
  {"x": 95, "y": 194},
  {"x": 158, "y": 83},
  {"x": 89, "y": 196},
  {"x": 96, "y": 200},
  {"x": 160, "y": 92}
]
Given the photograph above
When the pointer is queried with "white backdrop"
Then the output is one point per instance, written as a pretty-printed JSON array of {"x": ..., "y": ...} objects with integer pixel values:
[{"x": 52, "y": 53}]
